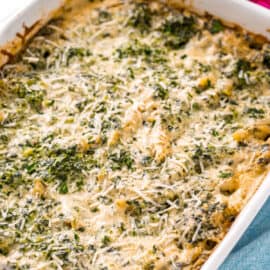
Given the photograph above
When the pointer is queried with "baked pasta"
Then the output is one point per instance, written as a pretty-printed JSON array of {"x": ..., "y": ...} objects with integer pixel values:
[{"x": 131, "y": 136}]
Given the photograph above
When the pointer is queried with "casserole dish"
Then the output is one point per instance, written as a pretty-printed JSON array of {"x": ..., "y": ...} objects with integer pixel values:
[{"x": 42, "y": 9}]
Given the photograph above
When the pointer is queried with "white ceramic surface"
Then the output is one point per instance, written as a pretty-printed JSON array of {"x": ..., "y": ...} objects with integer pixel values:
[
  {"x": 9, "y": 8},
  {"x": 244, "y": 13},
  {"x": 26, "y": 14},
  {"x": 239, "y": 226},
  {"x": 248, "y": 15}
]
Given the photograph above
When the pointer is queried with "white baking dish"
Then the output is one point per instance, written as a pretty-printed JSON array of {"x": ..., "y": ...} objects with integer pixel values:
[{"x": 241, "y": 12}]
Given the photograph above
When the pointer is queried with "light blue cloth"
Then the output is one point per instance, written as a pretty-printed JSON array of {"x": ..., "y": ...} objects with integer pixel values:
[{"x": 253, "y": 250}]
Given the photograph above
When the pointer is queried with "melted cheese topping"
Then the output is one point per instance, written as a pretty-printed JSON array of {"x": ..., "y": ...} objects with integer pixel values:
[{"x": 131, "y": 136}]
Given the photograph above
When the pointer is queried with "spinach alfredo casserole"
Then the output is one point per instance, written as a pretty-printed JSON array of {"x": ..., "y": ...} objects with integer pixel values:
[{"x": 131, "y": 136}]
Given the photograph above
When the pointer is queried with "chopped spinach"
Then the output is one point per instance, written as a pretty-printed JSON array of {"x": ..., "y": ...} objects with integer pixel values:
[
  {"x": 242, "y": 69},
  {"x": 106, "y": 240},
  {"x": 254, "y": 112},
  {"x": 137, "y": 49},
  {"x": 225, "y": 174},
  {"x": 179, "y": 30},
  {"x": 121, "y": 159},
  {"x": 216, "y": 26},
  {"x": 104, "y": 16},
  {"x": 242, "y": 65},
  {"x": 33, "y": 97},
  {"x": 141, "y": 17},
  {"x": 266, "y": 59},
  {"x": 76, "y": 52},
  {"x": 161, "y": 92}
]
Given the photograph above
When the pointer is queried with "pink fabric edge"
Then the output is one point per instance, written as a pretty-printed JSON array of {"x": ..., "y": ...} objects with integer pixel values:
[{"x": 264, "y": 3}]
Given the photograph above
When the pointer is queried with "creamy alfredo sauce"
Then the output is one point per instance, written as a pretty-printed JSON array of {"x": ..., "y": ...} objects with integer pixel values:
[{"x": 131, "y": 135}]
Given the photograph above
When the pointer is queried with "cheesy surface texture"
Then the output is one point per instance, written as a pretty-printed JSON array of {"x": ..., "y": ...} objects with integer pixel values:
[{"x": 131, "y": 136}]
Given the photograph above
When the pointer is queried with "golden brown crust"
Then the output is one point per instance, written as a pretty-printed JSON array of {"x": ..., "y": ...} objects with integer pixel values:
[{"x": 249, "y": 167}]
